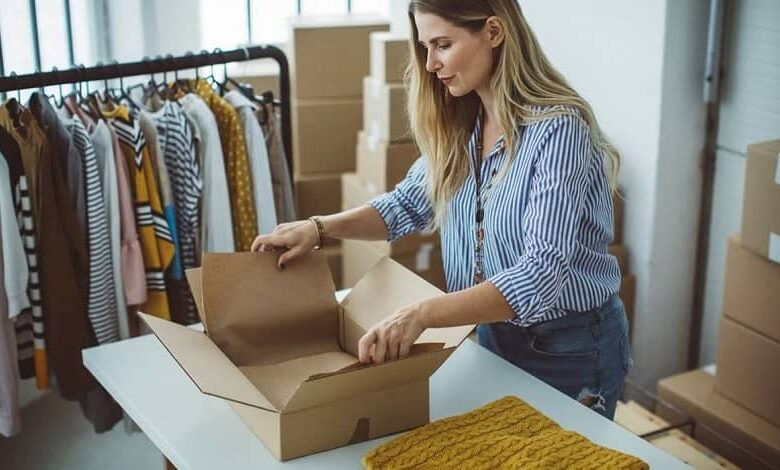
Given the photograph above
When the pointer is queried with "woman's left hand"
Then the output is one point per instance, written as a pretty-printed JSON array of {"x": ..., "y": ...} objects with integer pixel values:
[{"x": 393, "y": 337}]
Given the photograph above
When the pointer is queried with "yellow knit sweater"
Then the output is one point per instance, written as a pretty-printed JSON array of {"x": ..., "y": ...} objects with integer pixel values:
[{"x": 507, "y": 433}]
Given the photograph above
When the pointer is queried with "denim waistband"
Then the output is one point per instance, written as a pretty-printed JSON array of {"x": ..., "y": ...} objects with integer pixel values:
[{"x": 580, "y": 319}]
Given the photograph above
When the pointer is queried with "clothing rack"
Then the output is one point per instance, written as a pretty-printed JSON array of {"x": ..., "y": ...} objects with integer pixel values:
[{"x": 167, "y": 64}]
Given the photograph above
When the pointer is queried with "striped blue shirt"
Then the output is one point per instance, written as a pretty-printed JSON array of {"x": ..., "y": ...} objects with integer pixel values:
[{"x": 547, "y": 222}]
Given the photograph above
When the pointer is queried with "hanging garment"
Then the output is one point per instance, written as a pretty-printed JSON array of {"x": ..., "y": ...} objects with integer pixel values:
[
  {"x": 104, "y": 156},
  {"x": 197, "y": 145},
  {"x": 262, "y": 187},
  {"x": 101, "y": 297},
  {"x": 29, "y": 146},
  {"x": 236, "y": 164},
  {"x": 64, "y": 263},
  {"x": 507, "y": 433},
  {"x": 156, "y": 241},
  {"x": 133, "y": 271},
  {"x": 149, "y": 128},
  {"x": 216, "y": 218},
  {"x": 13, "y": 299},
  {"x": 280, "y": 169},
  {"x": 177, "y": 146}
]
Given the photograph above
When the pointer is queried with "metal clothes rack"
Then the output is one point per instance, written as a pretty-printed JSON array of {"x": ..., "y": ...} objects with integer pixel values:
[{"x": 167, "y": 64}]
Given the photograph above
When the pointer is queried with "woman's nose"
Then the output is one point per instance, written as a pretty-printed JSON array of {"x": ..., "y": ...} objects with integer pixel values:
[{"x": 432, "y": 63}]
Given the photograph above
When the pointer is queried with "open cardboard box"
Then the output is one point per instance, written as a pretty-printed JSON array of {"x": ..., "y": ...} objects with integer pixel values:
[{"x": 283, "y": 352}]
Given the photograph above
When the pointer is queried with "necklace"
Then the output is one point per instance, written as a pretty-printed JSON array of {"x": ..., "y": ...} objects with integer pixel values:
[{"x": 479, "y": 213}]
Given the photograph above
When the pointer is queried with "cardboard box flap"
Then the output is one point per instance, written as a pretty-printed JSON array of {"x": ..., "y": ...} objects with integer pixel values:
[
  {"x": 383, "y": 290},
  {"x": 206, "y": 365},
  {"x": 259, "y": 315},
  {"x": 194, "y": 279},
  {"x": 354, "y": 382}
]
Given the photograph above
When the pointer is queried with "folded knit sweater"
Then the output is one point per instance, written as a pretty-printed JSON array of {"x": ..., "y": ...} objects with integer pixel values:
[{"x": 507, "y": 433}]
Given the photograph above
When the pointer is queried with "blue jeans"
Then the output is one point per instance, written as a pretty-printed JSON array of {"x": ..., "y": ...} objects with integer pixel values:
[{"x": 585, "y": 355}]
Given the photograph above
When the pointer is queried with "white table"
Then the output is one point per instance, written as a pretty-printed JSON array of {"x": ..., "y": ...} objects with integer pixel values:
[{"x": 197, "y": 431}]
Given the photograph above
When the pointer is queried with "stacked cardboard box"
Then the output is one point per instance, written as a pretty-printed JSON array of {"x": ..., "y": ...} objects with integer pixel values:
[
  {"x": 327, "y": 108},
  {"x": 640, "y": 421},
  {"x": 385, "y": 152},
  {"x": 749, "y": 340},
  {"x": 327, "y": 103}
]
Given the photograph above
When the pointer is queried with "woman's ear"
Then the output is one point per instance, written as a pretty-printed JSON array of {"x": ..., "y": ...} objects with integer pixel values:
[{"x": 495, "y": 30}]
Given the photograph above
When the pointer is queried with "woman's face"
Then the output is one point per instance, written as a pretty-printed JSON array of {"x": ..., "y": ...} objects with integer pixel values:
[{"x": 461, "y": 59}]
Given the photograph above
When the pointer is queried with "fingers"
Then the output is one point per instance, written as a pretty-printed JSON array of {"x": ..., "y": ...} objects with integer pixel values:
[
  {"x": 289, "y": 255},
  {"x": 405, "y": 348},
  {"x": 380, "y": 348},
  {"x": 364, "y": 346}
]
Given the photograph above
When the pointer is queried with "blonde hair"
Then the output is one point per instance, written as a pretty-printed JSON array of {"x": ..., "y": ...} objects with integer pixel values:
[{"x": 522, "y": 79}]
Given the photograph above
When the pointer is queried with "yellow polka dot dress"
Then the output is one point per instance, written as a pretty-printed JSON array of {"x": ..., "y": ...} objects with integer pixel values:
[{"x": 231, "y": 135}]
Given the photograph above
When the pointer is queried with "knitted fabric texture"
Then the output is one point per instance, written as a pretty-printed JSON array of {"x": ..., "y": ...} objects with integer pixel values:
[{"x": 507, "y": 433}]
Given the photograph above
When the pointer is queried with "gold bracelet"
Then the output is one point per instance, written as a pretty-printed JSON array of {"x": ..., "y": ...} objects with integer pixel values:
[{"x": 320, "y": 231}]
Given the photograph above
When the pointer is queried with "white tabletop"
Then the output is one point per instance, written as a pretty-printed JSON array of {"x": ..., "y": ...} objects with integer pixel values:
[{"x": 197, "y": 431}]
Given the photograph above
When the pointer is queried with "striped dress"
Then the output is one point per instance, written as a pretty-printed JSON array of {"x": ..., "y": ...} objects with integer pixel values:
[
  {"x": 156, "y": 242},
  {"x": 22, "y": 151},
  {"x": 547, "y": 222},
  {"x": 177, "y": 145},
  {"x": 101, "y": 297}
]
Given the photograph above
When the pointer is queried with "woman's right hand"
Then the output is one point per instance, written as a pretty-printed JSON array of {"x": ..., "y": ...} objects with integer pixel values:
[{"x": 295, "y": 239}]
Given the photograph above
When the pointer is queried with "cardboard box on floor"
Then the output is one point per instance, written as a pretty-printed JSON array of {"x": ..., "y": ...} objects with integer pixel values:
[
  {"x": 287, "y": 363},
  {"x": 318, "y": 194},
  {"x": 388, "y": 56},
  {"x": 329, "y": 56},
  {"x": 751, "y": 294},
  {"x": 382, "y": 164},
  {"x": 747, "y": 369},
  {"x": 722, "y": 425},
  {"x": 384, "y": 110},
  {"x": 761, "y": 201},
  {"x": 325, "y": 134}
]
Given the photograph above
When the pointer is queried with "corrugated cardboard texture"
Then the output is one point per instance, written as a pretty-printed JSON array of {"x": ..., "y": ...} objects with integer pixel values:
[
  {"x": 751, "y": 295},
  {"x": 747, "y": 369},
  {"x": 728, "y": 429},
  {"x": 384, "y": 111},
  {"x": 381, "y": 164},
  {"x": 318, "y": 194},
  {"x": 389, "y": 53},
  {"x": 316, "y": 72},
  {"x": 324, "y": 135},
  {"x": 761, "y": 201}
]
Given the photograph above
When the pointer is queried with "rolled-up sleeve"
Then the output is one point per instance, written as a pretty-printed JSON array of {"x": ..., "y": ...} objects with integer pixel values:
[
  {"x": 550, "y": 220},
  {"x": 406, "y": 209}
]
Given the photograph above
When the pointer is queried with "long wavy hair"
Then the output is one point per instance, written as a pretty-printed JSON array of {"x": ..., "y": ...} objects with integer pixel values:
[{"x": 522, "y": 79}]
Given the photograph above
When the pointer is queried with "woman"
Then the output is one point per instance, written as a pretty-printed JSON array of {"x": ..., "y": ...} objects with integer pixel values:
[{"x": 518, "y": 178}]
